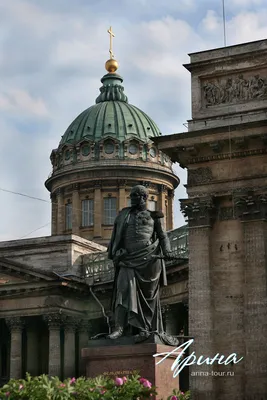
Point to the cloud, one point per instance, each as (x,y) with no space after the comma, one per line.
(245,3)
(212,22)
(18,102)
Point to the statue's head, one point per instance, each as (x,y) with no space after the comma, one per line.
(139,195)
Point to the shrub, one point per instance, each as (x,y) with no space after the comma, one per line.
(178,395)
(45,388)
(101,388)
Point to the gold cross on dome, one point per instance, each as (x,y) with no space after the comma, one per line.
(111,35)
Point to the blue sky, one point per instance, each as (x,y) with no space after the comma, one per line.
(52,55)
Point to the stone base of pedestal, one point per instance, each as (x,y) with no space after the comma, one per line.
(133,359)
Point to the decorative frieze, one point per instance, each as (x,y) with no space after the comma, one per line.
(199,211)
(199,176)
(234,90)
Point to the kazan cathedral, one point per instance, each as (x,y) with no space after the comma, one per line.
(55,291)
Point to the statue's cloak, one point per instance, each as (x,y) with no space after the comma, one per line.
(138,276)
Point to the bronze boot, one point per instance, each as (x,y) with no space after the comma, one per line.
(116,334)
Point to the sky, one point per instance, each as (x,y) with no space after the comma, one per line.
(52,56)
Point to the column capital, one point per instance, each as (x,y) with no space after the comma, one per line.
(75,186)
(145,183)
(59,192)
(53,196)
(199,211)
(97,184)
(162,188)
(14,323)
(54,321)
(70,324)
(249,205)
(121,183)
(83,325)
(171,193)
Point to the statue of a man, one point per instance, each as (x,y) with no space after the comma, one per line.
(137,239)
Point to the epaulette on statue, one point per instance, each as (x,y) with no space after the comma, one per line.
(156,214)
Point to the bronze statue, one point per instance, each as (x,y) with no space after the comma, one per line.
(137,243)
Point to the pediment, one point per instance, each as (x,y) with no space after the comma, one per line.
(13,272)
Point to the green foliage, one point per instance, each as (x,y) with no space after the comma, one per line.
(101,388)
(178,395)
(45,388)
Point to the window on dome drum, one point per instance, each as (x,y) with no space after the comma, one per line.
(87,213)
(68,216)
(129,202)
(85,150)
(110,210)
(153,152)
(152,205)
(109,147)
(133,149)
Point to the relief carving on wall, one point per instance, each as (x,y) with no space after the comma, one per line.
(235,90)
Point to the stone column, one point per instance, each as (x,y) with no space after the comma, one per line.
(76,210)
(69,347)
(15,324)
(54,362)
(83,333)
(98,211)
(54,207)
(252,209)
(200,217)
(60,212)
(122,193)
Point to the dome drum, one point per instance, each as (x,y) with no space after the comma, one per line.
(108,148)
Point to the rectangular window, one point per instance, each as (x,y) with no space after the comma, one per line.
(110,210)
(87,212)
(152,205)
(68,216)
(129,203)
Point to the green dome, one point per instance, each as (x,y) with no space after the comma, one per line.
(111,116)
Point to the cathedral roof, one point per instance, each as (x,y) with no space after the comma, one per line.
(111,116)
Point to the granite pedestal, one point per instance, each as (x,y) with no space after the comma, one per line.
(123,357)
